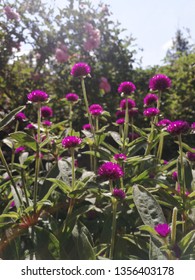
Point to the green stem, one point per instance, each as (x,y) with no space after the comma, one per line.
(173,227)
(70,115)
(150,139)
(126,124)
(73,168)
(13,148)
(10,175)
(86,103)
(37,160)
(114,210)
(160,146)
(24,186)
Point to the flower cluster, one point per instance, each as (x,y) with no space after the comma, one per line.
(126,88)
(110,170)
(93,37)
(72,97)
(46,112)
(37,96)
(178,127)
(150,99)
(95,109)
(80,69)
(118,193)
(71,142)
(159,82)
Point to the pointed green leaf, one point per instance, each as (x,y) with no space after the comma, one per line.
(10,117)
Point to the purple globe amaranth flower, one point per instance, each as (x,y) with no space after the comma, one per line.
(71,142)
(151,112)
(193,126)
(131,103)
(37,96)
(46,112)
(163,123)
(110,170)
(46,123)
(118,193)
(133,136)
(120,157)
(162,229)
(174,176)
(191,155)
(20,117)
(86,126)
(126,88)
(150,99)
(95,109)
(159,82)
(72,97)
(30,126)
(178,127)
(80,69)
(120,121)
(19,150)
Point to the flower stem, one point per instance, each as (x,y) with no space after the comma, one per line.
(150,139)
(114,210)
(70,115)
(10,175)
(73,167)
(126,125)
(86,103)
(160,146)
(173,228)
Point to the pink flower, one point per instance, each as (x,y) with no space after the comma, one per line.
(110,170)
(159,82)
(174,176)
(118,193)
(46,123)
(191,155)
(150,98)
(120,121)
(37,96)
(126,88)
(86,126)
(11,14)
(20,117)
(163,123)
(131,103)
(30,126)
(71,142)
(104,84)
(95,109)
(93,37)
(80,69)
(61,56)
(46,112)
(120,157)
(72,97)
(19,149)
(151,112)
(178,127)
(162,229)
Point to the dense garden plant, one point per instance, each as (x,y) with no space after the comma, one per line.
(103,191)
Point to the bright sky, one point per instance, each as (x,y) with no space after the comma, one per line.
(152,23)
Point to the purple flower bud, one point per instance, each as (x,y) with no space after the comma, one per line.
(151,112)
(163,123)
(191,155)
(46,123)
(71,97)
(110,170)
(71,142)
(86,126)
(175,176)
(120,121)
(37,96)
(120,157)
(126,88)
(150,98)
(80,69)
(118,193)
(46,112)
(162,229)
(19,150)
(178,127)
(20,117)
(159,82)
(131,103)
(95,109)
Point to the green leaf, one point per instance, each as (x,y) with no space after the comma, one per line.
(187,173)
(24,140)
(10,117)
(82,239)
(47,245)
(116,137)
(61,184)
(187,243)
(147,206)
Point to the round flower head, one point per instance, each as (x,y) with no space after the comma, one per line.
(174,176)
(30,126)
(86,126)
(118,193)
(71,97)
(120,121)
(19,150)
(110,170)
(37,96)
(20,117)
(80,69)
(151,112)
(162,229)
(95,109)
(150,98)
(126,88)
(71,142)
(159,82)
(46,123)
(46,112)
(163,123)
(191,155)
(178,127)
(131,103)
(120,157)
